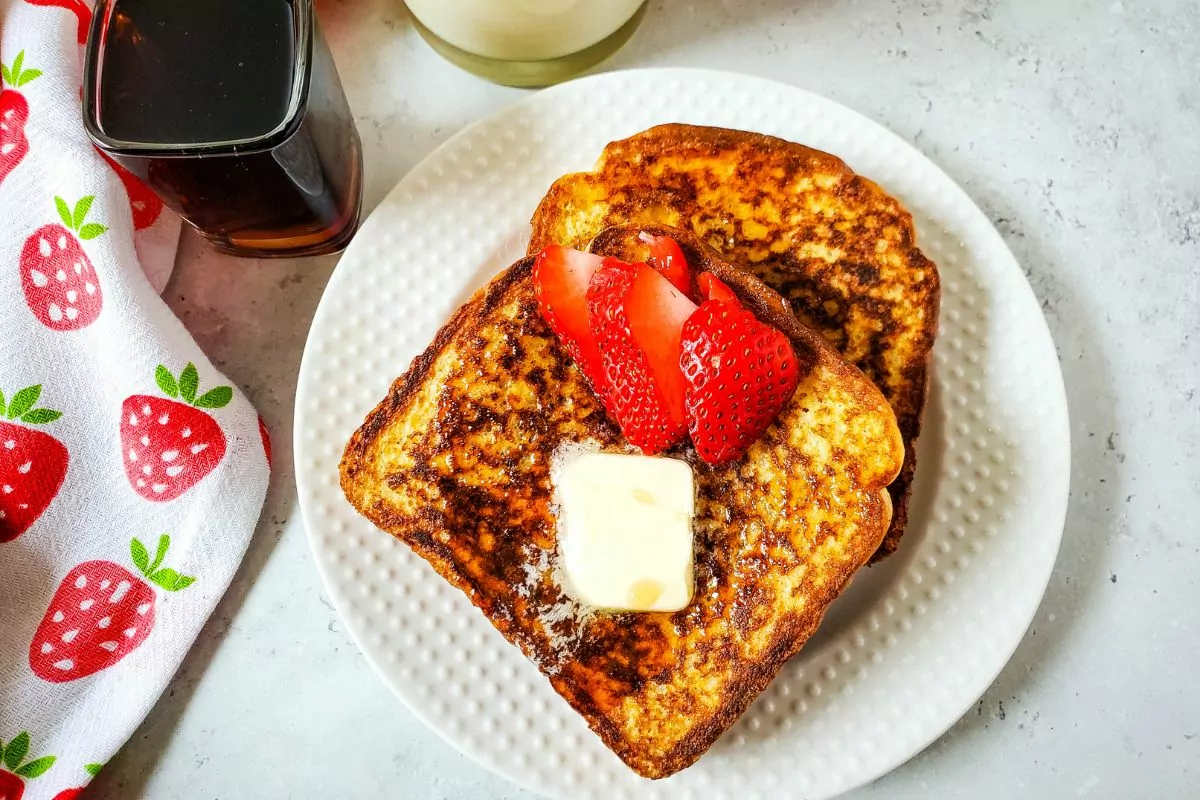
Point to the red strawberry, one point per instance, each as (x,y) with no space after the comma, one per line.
(637,317)
(60,283)
(100,614)
(740,373)
(144,204)
(14,112)
(560,283)
(713,288)
(666,257)
(167,445)
(11,786)
(83,14)
(12,756)
(266,440)
(73,794)
(32,464)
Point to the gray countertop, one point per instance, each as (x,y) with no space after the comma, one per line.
(1074,125)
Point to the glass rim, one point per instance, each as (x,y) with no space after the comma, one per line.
(303,29)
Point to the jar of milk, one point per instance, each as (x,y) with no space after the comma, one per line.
(526,42)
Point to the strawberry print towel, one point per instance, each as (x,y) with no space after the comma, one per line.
(131,472)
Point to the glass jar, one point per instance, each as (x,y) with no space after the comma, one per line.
(233,113)
(526,42)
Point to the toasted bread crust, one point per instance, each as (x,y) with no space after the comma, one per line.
(838,248)
(454,462)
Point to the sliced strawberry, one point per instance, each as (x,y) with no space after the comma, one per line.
(740,374)
(657,311)
(560,284)
(666,257)
(637,317)
(713,288)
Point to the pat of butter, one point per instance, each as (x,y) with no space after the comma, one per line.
(625,531)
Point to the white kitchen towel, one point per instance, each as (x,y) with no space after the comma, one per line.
(131,473)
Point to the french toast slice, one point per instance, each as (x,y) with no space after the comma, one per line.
(838,248)
(456,463)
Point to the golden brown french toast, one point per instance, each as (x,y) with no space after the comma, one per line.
(839,249)
(456,463)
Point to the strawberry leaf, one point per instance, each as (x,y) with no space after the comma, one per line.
(35,769)
(215,398)
(170,580)
(141,556)
(91,231)
(4,73)
(93,769)
(64,213)
(24,401)
(2,414)
(18,62)
(164,542)
(28,75)
(16,750)
(166,381)
(40,416)
(189,381)
(81,210)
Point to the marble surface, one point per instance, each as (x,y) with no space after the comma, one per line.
(1073,124)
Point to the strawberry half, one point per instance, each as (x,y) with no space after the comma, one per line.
(169,446)
(60,283)
(713,288)
(666,257)
(560,283)
(19,769)
(637,317)
(740,374)
(101,613)
(32,464)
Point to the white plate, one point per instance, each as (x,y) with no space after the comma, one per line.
(910,646)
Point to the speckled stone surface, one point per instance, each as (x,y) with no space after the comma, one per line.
(1074,125)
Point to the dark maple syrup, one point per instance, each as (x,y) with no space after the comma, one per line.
(232,111)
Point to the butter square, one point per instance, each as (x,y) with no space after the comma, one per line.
(625,531)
